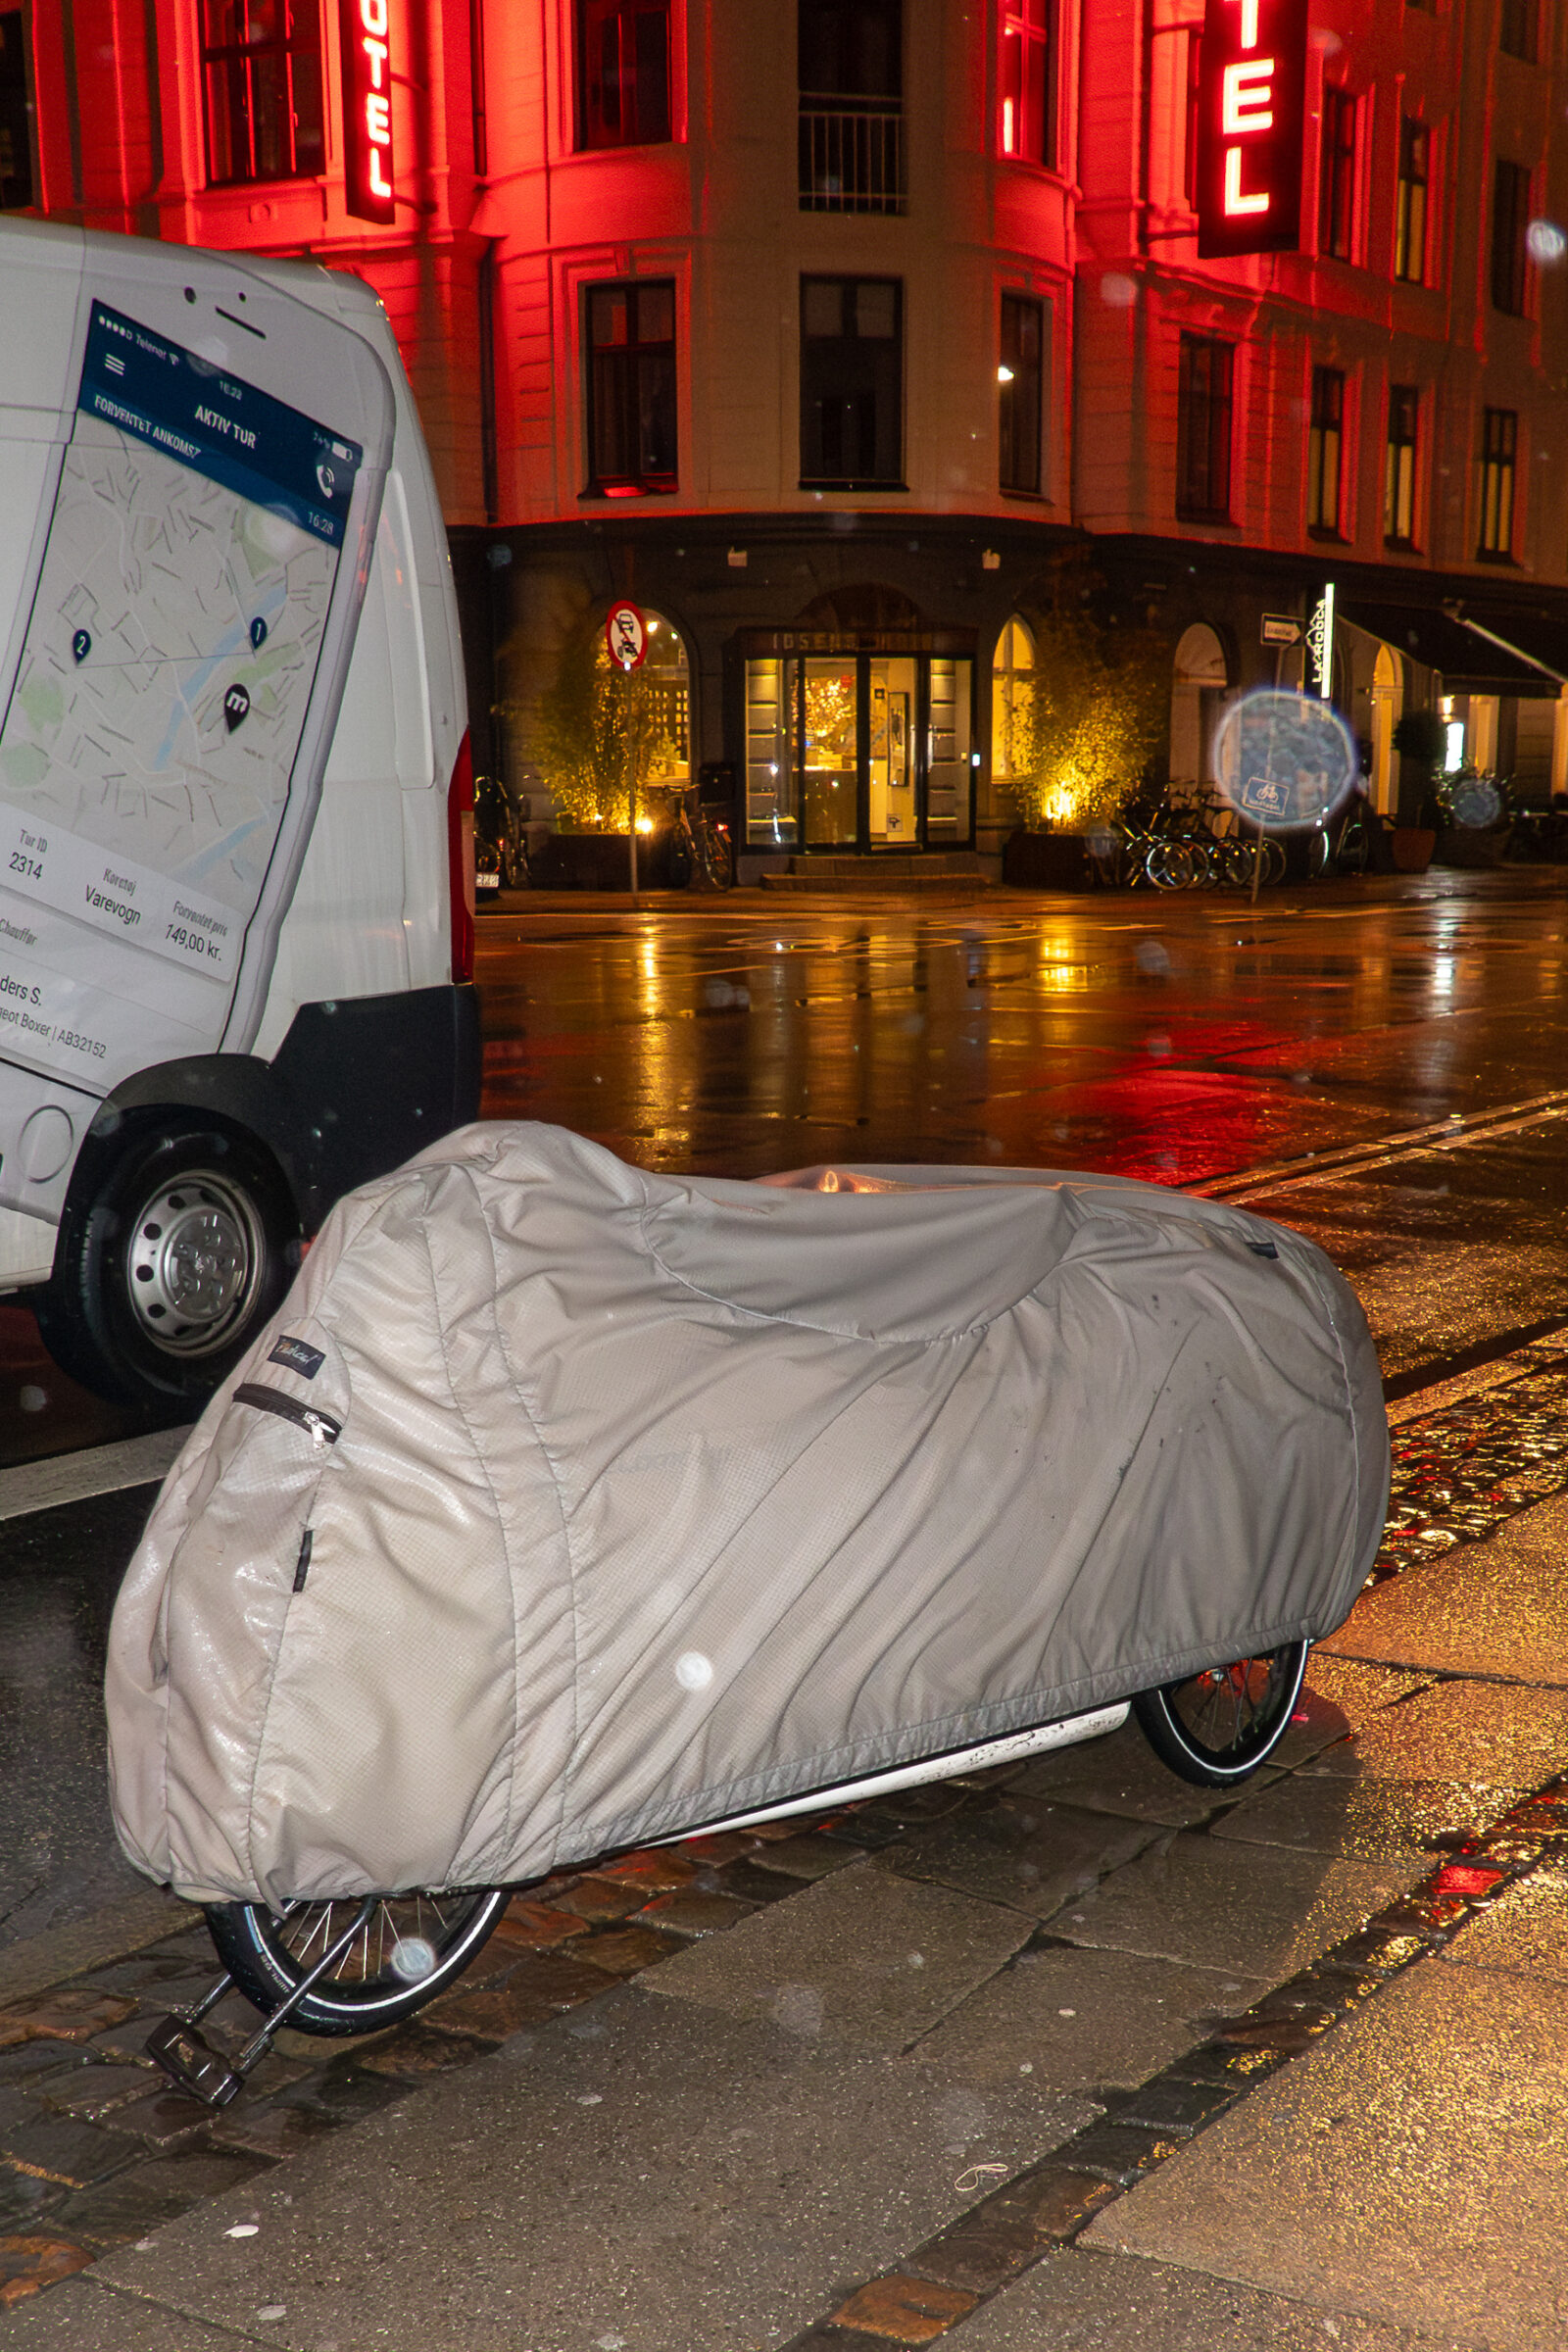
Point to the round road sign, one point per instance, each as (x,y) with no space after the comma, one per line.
(626,635)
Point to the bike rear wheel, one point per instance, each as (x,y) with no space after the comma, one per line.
(412,1946)
(1216,1727)
(713,848)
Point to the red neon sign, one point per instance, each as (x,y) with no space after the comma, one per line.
(368,180)
(1251,112)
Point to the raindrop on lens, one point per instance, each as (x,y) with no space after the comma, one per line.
(692,1671)
(1546,242)
(32,1398)
(413,1958)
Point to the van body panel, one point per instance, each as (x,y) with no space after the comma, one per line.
(342,1014)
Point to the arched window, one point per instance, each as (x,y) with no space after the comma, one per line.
(1198,684)
(666,677)
(1012,673)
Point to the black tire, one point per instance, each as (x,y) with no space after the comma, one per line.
(713,848)
(1215,1728)
(370,1987)
(179,1239)
(1354,849)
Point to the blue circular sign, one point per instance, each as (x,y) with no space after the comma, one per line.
(1284,760)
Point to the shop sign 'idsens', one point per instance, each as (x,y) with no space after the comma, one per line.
(1251,98)
(367,110)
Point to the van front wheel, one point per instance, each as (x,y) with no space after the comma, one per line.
(178,1241)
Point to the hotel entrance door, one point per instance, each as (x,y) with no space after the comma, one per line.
(859,752)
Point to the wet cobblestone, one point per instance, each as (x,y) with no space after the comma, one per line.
(1460,1472)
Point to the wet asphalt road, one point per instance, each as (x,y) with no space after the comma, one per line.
(1190,1040)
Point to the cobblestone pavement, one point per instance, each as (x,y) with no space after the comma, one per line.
(1162,1948)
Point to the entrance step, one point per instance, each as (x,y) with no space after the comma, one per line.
(930,870)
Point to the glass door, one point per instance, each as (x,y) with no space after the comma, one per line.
(893,811)
(828,753)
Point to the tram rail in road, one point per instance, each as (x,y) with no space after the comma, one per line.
(74,1477)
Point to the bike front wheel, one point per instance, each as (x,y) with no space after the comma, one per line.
(1217,1727)
(410,1948)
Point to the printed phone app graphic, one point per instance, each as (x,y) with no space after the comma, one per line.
(147,751)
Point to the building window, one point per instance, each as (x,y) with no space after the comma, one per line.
(1026,72)
(849,65)
(1204,394)
(623,72)
(1337,178)
(1510,217)
(1517,35)
(1398,467)
(631,388)
(16,114)
(262,85)
(1410,203)
(1012,687)
(1020,382)
(852,383)
(1324,450)
(1499,442)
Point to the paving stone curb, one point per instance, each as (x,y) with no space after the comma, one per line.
(1047,2204)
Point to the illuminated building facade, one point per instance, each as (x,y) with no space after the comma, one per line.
(829,332)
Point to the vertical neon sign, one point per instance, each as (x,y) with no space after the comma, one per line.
(1252,111)
(369,176)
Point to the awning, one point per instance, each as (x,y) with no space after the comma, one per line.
(1471,663)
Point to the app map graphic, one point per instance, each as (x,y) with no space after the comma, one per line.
(148,748)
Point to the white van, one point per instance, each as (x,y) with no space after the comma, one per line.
(236,905)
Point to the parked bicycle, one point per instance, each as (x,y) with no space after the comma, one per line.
(700,851)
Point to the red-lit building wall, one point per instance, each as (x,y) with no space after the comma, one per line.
(502,218)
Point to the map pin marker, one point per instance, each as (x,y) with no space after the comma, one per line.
(236,705)
(81,645)
(258,633)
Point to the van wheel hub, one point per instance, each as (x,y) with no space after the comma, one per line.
(193,1261)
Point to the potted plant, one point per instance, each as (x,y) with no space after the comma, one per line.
(1421,740)
(1079,739)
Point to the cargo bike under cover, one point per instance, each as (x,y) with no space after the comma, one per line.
(566,1507)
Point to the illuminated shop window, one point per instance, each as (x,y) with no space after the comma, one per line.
(1510,217)
(1012,685)
(1410,203)
(1324,448)
(1398,465)
(630,338)
(850,68)
(852,383)
(1020,382)
(623,72)
(16,114)
(1205,388)
(1499,443)
(262,90)
(1336,210)
(1516,34)
(1026,77)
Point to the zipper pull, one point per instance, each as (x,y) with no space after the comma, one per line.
(322,1429)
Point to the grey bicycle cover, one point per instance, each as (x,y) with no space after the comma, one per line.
(657,1498)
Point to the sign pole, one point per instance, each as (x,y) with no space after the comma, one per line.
(631,781)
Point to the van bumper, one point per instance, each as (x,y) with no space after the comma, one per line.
(358,1086)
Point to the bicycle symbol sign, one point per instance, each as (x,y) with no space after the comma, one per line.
(1263,798)
(626,635)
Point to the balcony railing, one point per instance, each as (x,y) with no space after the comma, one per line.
(852,160)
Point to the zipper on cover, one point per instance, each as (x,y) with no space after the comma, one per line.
(319,1426)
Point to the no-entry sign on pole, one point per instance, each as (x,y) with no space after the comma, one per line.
(626,635)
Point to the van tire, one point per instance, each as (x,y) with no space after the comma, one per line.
(178,1241)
